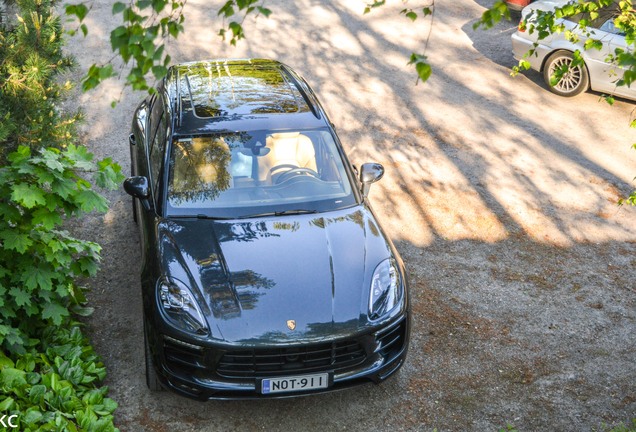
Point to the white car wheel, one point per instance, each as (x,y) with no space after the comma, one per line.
(573,82)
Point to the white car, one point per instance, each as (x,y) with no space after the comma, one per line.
(557,52)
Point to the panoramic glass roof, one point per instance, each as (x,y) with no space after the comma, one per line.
(221,89)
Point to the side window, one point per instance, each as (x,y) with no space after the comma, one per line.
(609,27)
(157,150)
(155,117)
(603,16)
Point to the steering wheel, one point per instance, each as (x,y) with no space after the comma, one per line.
(292,171)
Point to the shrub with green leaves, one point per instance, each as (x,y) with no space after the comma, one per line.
(39,262)
(52,386)
(49,373)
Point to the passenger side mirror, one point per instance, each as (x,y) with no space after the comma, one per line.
(369,174)
(137,187)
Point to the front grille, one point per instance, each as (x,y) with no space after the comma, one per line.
(256,363)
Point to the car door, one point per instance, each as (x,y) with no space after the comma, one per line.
(150,166)
(604,73)
(616,43)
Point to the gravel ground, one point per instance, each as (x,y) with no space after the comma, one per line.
(500,196)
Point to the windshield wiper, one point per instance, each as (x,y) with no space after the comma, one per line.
(280,213)
(200,216)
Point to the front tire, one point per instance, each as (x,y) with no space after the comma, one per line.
(134,209)
(574,81)
(152,380)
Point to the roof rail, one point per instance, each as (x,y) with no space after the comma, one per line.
(299,83)
(187,78)
(179,102)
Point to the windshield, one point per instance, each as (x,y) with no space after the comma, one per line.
(241,174)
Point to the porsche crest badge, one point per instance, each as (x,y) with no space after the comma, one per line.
(291,324)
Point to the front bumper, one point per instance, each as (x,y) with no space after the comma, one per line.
(216,372)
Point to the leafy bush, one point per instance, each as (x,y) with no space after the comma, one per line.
(49,373)
(39,263)
(52,386)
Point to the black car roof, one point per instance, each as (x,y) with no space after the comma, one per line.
(237,94)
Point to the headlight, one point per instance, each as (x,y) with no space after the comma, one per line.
(180,307)
(386,289)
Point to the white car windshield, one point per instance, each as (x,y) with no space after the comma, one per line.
(241,174)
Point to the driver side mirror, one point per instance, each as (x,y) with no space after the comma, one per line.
(138,187)
(369,174)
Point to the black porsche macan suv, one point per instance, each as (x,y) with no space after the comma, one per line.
(264,270)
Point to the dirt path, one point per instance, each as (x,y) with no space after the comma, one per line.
(500,196)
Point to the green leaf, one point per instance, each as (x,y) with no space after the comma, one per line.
(62,188)
(143,4)
(159,71)
(47,218)
(7,404)
(97,74)
(39,277)
(227,10)
(28,195)
(264,11)
(422,67)
(81,11)
(9,213)
(82,310)
(85,266)
(159,5)
(424,70)
(5,361)
(10,377)
(409,14)
(593,44)
(20,296)
(237,32)
(90,200)
(80,156)
(118,7)
(50,158)
(16,241)
(492,16)
(54,312)
(36,392)
(22,154)
(109,405)
(373,5)
(109,175)
(174,29)
(32,417)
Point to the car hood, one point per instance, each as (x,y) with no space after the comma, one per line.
(278,279)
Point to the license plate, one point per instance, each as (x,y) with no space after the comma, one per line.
(294,383)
